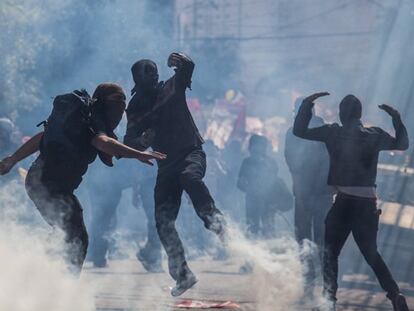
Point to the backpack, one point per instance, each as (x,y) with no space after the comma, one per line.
(69,119)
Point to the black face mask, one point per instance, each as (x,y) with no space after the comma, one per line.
(145,74)
(350,109)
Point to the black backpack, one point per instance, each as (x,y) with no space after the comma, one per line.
(66,125)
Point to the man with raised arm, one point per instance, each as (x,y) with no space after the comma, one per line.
(159,110)
(353,151)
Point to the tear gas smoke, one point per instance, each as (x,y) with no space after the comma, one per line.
(33,275)
(276,279)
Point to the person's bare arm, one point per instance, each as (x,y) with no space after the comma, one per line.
(113,147)
(27,149)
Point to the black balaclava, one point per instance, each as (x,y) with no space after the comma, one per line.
(145,75)
(110,100)
(110,103)
(350,109)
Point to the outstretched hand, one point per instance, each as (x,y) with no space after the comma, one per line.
(147,156)
(6,165)
(390,110)
(310,99)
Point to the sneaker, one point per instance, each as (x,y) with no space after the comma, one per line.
(399,303)
(183,285)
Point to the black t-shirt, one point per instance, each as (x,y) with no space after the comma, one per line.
(63,172)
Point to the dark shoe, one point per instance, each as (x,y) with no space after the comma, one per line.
(99,263)
(151,266)
(184,284)
(399,303)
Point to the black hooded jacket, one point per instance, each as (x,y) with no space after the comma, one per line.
(353,149)
(167,114)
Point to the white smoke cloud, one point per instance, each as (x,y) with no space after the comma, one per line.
(33,275)
(276,279)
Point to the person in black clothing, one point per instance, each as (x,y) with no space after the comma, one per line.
(150,254)
(232,199)
(313,197)
(56,173)
(263,188)
(162,109)
(105,189)
(353,151)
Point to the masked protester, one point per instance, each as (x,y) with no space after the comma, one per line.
(265,192)
(353,152)
(78,129)
(161,107)
(308,163)
(105,188)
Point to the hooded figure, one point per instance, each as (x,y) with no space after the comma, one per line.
(350,110)
(353,156)
(265,192)
(145,75)
(161,108)
(67,146)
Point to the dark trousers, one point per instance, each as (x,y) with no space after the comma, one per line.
(186,175)
(104,198)
(61,210)
(260,216)
(152,249)
(361,217)
(310,214)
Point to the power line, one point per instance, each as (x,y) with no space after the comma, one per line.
(284,37)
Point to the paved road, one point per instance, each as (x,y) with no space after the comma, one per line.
(124,285)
